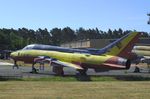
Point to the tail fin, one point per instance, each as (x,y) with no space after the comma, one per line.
(123,46)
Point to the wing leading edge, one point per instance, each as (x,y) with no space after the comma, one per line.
(66,64)
(46,59)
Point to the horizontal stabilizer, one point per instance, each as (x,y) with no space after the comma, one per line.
(146,48)
(141,52)
(146,57)
(114,66)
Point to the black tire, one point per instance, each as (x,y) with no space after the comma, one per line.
(83,72)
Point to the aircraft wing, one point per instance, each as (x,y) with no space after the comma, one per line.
(146,57)
(58,62)
(66,64)
(5,63)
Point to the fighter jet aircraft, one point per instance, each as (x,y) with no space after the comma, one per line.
(143,53)
(114,56)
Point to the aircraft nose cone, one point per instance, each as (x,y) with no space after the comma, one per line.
(13,54)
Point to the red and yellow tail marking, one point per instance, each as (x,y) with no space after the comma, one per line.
(123,47)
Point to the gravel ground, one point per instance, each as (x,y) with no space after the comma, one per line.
(6,70)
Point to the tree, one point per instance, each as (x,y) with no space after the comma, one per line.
(81,34)
(110,33)
(68,35)
(16,41)
(120,31)
(56,36)
(4,43)
(43,36)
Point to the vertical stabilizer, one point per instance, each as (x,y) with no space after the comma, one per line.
(123,46)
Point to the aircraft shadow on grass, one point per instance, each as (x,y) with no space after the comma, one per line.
(88,78)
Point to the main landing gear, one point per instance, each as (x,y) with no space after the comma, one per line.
(34,70)
(82,75)
(82,72)
(15,65)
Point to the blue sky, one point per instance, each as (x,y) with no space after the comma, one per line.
(104,14)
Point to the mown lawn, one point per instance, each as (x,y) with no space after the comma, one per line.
(74,90)
(70,87)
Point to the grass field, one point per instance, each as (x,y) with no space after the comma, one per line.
(74,90)
(70,87)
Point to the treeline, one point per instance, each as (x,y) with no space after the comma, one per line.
(12,39)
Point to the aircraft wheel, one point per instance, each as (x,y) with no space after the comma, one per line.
(62,73)
(15,65)
(137,70)
(34,70)
(83,72)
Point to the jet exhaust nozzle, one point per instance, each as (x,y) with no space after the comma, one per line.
(119,63)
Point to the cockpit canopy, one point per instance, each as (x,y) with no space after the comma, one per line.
(29,47)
